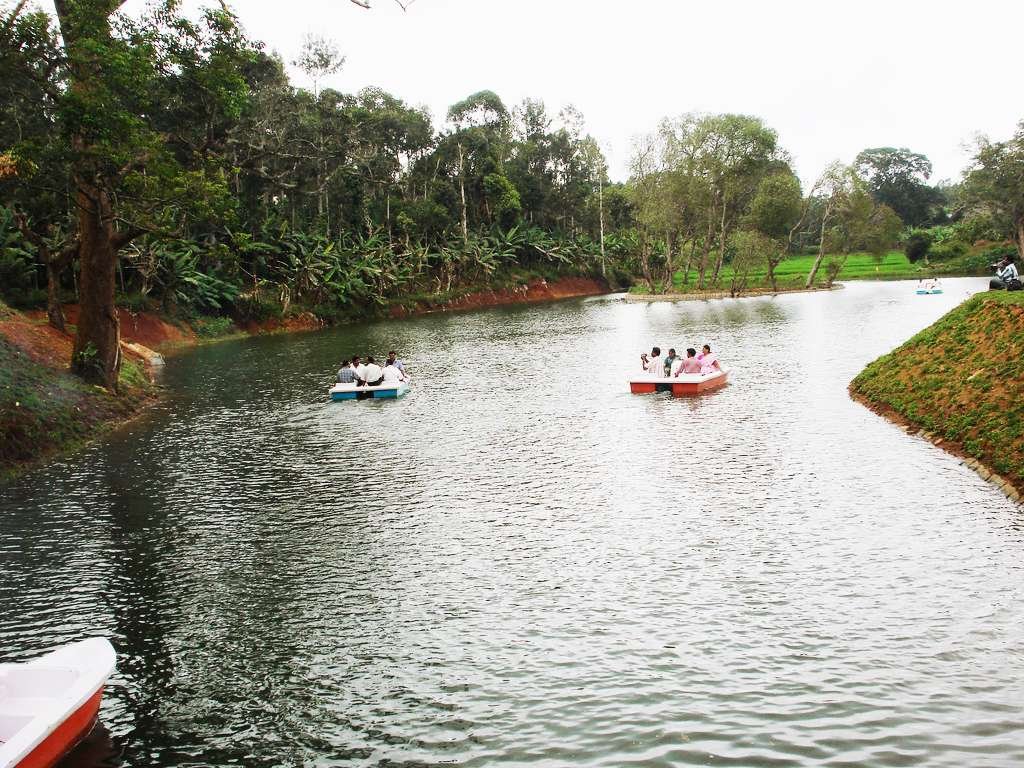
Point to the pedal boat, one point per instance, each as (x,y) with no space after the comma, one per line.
(49,704)
(380,392)
(928,291)
(683,385)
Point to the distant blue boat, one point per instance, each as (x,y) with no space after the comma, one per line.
(927,291)
(381,392)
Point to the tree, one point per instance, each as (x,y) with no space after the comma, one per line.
(776,212)
(126,175)
(917,245)
(831,190)
(896,177)
(994,184)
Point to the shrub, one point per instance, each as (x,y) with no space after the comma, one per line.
(917,245)
(212,327)
(948,250)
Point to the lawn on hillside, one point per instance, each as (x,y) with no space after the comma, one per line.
(793,272)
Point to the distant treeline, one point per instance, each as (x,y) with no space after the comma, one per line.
(170,160)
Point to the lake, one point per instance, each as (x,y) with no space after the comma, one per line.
(520,563)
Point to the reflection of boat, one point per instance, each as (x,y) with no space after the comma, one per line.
(683,384)
(382,391)
(927,291)
(49,704)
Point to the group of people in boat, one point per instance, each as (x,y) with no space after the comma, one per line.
(371,373)
(672,365)
(928,284)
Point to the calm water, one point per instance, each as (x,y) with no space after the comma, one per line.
(522,564)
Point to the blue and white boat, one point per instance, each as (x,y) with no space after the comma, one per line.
(380,392)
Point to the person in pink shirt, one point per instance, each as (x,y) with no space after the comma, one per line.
(690,363)
(708,362)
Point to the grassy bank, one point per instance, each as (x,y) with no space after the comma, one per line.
(792,273)
(961,381)
(43,409)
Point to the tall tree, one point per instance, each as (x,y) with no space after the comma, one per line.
(897,178)
(995,183)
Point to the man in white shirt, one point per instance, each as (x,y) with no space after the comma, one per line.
(373,375)
(656,365)
(392,375)
(360,370)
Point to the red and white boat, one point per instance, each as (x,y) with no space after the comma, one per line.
(49,704)
(681,385)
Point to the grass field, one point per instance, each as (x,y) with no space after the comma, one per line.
(793,272)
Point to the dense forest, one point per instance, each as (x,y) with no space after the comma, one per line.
(167,161)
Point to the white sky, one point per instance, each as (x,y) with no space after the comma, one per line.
(831,77)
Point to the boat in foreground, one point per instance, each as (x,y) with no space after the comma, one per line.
(49,704)
(681,385)
(382,391)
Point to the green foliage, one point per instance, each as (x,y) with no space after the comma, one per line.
(917,244)
(17,263)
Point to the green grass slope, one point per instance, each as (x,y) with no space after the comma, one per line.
(962,379)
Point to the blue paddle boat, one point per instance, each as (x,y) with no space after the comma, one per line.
(380,392)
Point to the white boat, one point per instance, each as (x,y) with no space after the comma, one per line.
(49,704)
(381,391)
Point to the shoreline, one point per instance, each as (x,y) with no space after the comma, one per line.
(1012,491)
(969,407)
(715,295)
(66,415)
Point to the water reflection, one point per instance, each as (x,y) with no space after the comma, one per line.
(522,563)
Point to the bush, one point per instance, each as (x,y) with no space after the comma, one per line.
(250,308)
(213,327)
(948,250)
(917,245)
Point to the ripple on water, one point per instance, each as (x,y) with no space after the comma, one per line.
(522,564)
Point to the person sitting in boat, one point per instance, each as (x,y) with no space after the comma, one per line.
(708,362)
(392,375)
(347,374)
(653,364)
(670,361)
(393,360)
(360,370)
(373,374)
(690,363)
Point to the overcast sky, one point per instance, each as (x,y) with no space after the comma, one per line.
(832,78)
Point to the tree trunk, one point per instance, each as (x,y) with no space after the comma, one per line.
(97,352)
(1020,236)
(462,196)
(600,216)
(721,245)
(821,250)
(54,311)
(689,261)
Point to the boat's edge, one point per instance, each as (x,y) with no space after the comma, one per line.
(49,736)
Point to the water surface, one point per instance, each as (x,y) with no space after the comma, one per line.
(520,563)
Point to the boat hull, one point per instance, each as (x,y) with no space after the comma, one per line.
(685,385)
(340,392)
(923,292)
(65,736)
(50,704)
